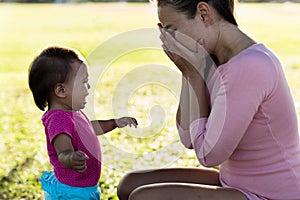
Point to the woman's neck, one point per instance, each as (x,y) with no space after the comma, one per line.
(231,42)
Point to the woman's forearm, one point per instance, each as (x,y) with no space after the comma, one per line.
(199,106)
(192,105)
(193,102)
(182,116)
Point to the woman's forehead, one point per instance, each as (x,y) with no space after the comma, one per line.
(168,15)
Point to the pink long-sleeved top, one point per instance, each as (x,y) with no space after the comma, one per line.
(252,130)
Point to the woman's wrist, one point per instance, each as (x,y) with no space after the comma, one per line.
(193,73)
(195,80)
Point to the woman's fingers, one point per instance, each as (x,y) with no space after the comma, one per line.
(172,45)
(187,54)
(168,53)
(189,60)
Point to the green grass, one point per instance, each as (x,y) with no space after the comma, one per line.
(276,25)
(28,28)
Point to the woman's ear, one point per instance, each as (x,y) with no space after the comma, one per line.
(60,90)
(204,12)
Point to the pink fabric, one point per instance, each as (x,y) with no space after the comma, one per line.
(84,139)
(252,129)
(185,137)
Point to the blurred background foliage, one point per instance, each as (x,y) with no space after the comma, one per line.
(82,1)
(28,28)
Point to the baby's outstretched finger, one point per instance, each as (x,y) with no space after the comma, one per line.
(134,122)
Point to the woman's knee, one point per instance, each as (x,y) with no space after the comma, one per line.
(157,191)
(142,192)
(122,189)
(135,194)
(126,185)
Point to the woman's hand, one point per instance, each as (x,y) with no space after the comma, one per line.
(187,54)
(124,121)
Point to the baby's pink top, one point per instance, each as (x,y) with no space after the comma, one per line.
(252,129)
(80,130)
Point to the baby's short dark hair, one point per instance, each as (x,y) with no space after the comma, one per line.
(52,66)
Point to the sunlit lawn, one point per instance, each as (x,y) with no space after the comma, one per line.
(126,85)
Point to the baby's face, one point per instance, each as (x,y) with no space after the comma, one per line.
(80,85)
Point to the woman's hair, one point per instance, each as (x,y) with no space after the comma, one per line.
(52,66)
(224,7)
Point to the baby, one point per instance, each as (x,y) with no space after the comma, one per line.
(58,79)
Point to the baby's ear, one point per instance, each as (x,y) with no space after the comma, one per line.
(60,90)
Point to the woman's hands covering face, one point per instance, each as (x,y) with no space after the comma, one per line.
(187,54)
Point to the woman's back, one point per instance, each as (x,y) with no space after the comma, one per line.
(266,160)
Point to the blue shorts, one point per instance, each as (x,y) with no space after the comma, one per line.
(55,190)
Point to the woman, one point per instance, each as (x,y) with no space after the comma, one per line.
(239,114)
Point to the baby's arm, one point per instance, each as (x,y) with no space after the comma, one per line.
(67,156)
(104,126)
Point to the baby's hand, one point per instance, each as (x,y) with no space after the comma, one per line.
(78,161)
(124,121)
